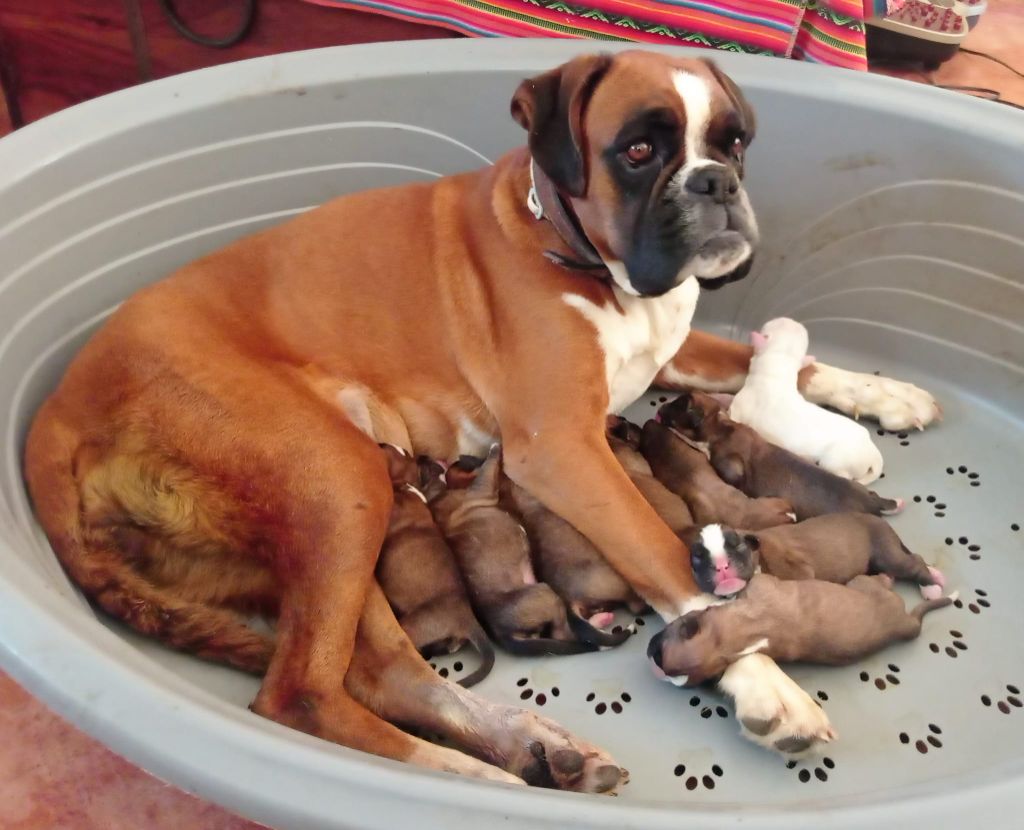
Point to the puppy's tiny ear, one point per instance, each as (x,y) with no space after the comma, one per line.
(731,470)
(752,541)
(550,108)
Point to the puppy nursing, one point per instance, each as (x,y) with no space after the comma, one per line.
(805,620)
(493,552)
(770,403)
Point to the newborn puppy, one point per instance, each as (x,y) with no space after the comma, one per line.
(837,548)
(689,474)
(568,562)
(493,552)
(624,440)
(720,558)
(418,574)
(770,403)
(807,620)
(750,463)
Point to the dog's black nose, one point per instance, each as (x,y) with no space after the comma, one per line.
(654,648)
(716,182)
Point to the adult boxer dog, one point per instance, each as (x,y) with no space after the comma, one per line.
(207,451)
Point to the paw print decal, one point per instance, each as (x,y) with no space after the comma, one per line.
(933,504)
(973,550)
(973,478)
(538,697)
(616,707)
(881,683)
(1012,699)
(706,711)
(693,781)
(804,771)
(922,744)
(957,644)
(975,604)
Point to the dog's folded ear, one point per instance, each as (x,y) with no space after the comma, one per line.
(550,108)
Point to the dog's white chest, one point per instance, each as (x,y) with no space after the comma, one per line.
(639,339)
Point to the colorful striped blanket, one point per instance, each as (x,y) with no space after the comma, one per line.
(821,31)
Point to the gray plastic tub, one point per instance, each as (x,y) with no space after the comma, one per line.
(892,218)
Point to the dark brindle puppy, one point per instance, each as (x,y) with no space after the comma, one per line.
(421,580)
(493,551)
(688,473)
(750,463)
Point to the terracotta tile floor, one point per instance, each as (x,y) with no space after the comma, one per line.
(53,777)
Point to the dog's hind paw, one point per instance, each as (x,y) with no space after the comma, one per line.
(896,405)
(772,710)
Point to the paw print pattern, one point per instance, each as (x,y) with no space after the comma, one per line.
(1015,527)
(453,672)
(882,683)
(706,711)
(661,399)
(934,504)
(973,478)
(922,744)
(973,550)
(975,605)
(953,650)
(821,771)
(903,436)
(615,707)
(693,781)
(528,693)
(1012,699)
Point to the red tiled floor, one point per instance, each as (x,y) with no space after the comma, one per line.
(54,777)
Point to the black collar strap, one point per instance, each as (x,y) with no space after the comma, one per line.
(545,202)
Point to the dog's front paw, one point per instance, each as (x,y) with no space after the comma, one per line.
(772,710)
(894,404)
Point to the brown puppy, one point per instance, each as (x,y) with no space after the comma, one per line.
(565,558)
(688,473)
(838,547)
(421,580)
(806,620)
(624,439)
(493,552)
(760,469)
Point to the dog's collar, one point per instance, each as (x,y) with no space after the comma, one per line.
(545,202)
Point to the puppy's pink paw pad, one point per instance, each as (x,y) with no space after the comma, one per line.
(931,591)
(937,575)
(602,619)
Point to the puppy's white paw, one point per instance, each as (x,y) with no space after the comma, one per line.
(894,404)
(772,710)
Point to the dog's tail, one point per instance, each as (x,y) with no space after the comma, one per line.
(478,639)
(923,608)
(587,633)
(93,561)
(541,646)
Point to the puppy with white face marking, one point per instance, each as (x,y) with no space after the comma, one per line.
(806,620)
(770,403)
(721,558)
(757,467)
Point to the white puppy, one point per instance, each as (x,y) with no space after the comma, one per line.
(770,403)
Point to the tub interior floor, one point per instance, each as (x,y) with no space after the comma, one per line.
(948,705)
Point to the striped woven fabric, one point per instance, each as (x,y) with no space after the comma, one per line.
(822,31)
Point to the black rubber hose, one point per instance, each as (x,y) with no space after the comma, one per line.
(248,16)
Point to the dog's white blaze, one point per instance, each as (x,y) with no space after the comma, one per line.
(638,340)
(753,648)
(714,540)
(696,95)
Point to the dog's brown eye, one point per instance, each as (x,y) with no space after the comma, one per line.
(640,152)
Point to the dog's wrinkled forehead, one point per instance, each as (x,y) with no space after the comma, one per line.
(692,97)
